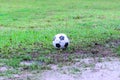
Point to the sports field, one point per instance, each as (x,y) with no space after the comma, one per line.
(27,27)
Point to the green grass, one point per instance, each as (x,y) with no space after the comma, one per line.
(28,26)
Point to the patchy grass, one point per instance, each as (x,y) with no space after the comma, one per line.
(9,73)
(27,29)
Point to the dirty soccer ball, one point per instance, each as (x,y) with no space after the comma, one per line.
(60,41)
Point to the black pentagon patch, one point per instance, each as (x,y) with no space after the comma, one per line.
(54,38)
(58,45)
(61,37)
(66,45)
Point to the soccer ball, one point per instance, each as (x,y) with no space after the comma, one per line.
(60,41)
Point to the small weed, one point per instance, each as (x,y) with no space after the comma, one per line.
(89,65)
(118,51)
(99,59)
(45,59)
(74,70)
(38,67)
(60,65)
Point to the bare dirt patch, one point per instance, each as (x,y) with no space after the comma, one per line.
(84,69)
